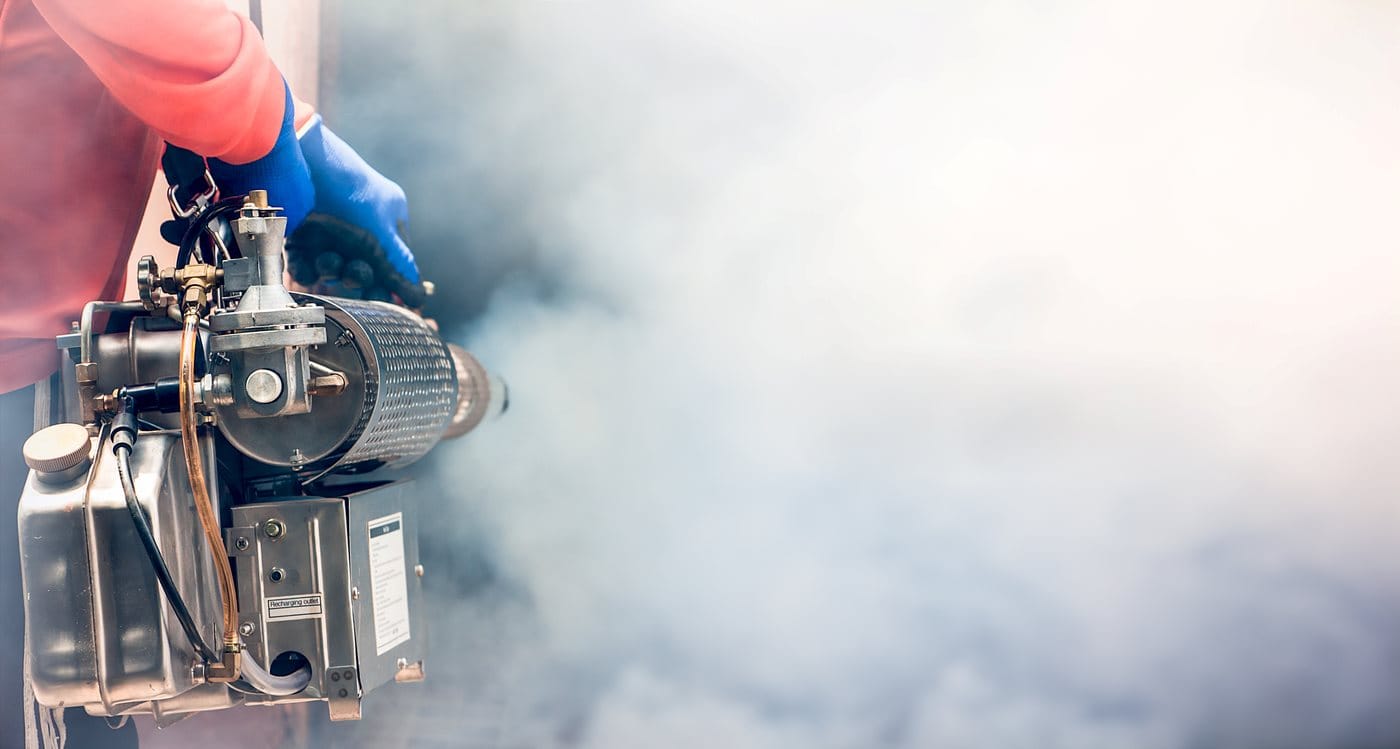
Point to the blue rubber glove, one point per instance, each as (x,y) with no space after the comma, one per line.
(350,190)
(282,172)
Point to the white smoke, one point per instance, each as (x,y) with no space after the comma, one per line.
(912,374)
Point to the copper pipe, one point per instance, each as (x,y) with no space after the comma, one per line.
(203,504)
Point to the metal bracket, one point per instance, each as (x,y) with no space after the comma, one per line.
(343,692)
(409,672)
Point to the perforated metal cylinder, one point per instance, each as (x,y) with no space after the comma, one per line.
(411,384)
(401,394)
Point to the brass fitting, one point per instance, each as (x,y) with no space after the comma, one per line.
(105,402)
(228,669)
(191,283)
(195,296)
(329,384)
(87,390)
(174,279)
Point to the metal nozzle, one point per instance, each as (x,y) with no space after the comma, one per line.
(480,394)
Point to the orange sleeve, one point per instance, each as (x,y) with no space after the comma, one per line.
(193,70)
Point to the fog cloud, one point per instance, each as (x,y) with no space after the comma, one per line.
(908,374)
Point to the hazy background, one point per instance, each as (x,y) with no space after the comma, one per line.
(903,374)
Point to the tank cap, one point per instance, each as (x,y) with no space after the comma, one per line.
(57,448)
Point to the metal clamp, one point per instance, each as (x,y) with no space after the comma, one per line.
(198,202)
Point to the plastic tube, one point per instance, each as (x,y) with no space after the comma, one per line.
(255,676)
(208,521)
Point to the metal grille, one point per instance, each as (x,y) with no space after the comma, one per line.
(412,386)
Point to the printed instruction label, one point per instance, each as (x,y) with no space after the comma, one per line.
(283,608)
(388,582)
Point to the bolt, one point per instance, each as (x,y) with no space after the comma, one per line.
(263,386)
(273,528)
(242,543)
(247,628)
(344,339)
(418,570)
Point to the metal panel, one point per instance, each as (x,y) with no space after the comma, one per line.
(403,661)
(294,592)
(306,585)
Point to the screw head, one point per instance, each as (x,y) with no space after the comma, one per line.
(247,628)
(273,528)
(242,543)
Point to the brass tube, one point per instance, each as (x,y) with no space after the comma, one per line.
(203,504)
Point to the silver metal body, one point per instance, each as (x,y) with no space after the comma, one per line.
(295,388)
(102,636)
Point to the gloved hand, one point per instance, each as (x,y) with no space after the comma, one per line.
(349,191)
(282,172)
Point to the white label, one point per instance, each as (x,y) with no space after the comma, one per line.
(388,582)
(283,608)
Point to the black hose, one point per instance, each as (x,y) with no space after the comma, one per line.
(255,679)
(190,241)
(167,583)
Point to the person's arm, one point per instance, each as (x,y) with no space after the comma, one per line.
(193,70)
(199,75)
